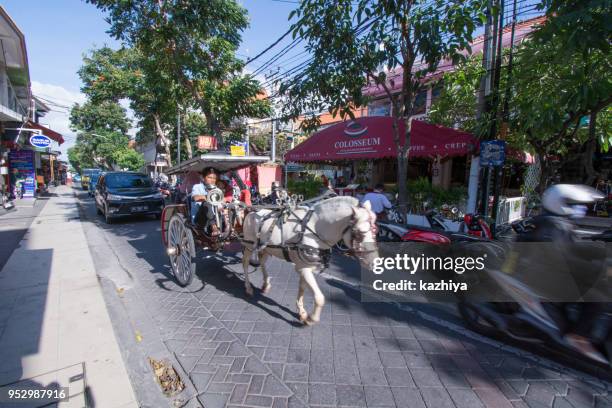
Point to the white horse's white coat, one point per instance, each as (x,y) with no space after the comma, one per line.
(329,220)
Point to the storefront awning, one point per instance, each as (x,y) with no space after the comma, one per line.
(46,131)
(372,138)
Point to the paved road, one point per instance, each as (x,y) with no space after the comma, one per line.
(235,351)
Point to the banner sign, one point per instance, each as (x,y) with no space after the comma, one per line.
(207,143)
(492,153)
(21,164)
(238,149)
(40,141)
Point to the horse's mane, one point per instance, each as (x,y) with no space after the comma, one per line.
(332,204)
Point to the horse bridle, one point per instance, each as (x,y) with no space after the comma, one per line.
(357,245)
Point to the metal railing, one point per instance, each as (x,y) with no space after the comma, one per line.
(511,209)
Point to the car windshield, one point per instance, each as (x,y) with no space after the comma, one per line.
(127,180)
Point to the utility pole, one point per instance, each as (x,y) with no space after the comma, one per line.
(248,139)
(178,134)
(273,148)
(484,93)
(496,98)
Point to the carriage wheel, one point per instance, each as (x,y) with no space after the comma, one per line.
(181,250)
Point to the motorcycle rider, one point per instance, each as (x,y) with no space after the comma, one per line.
(561,204)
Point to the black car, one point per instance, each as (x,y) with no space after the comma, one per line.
(121,193)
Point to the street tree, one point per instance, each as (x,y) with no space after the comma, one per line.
(101,133)
(112,75)
(391,44)
(106,115)
(552,98)
(193,43)
(127,158)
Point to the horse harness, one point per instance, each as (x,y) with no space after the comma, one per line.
(306,253)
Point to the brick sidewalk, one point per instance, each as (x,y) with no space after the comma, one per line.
(254,353)
(241,352)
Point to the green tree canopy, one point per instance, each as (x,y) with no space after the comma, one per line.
(391,44)
(191,44)
(91,117)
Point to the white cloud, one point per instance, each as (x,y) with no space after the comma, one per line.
(60,100)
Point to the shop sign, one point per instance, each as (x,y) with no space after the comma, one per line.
(492,153)
(354,142)
(207,143)
(40,141)
(238,149)
(21,164)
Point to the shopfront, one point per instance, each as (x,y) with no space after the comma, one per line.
(28,157)
(364,151)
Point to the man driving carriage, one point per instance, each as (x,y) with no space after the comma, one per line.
(202,211)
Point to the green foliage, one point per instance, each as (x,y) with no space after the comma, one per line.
(102,128)
(580,25)
(421,190)
(381,44)
(79,159)
(187,56)
(457,104)
(550,97)
(352,40)
(105,116)
(309,187)
(128,159)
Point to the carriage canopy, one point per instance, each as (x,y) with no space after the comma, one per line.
(220,161)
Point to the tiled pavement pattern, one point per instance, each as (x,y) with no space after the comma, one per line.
(253,353)
(241,352)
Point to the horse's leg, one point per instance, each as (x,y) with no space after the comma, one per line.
(319,299)
(246,255)
(265,288)
(300,298)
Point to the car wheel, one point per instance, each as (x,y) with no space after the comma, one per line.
(107,217)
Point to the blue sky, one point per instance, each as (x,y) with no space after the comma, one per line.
(58,32)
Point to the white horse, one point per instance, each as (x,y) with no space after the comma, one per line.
(305,237)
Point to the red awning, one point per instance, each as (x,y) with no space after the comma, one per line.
(46,131)
(372,138)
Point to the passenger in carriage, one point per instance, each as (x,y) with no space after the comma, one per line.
(228,193)
(203,212)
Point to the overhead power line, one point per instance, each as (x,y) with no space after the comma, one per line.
(281,38)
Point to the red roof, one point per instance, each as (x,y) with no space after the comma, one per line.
(47,132)
(372,137)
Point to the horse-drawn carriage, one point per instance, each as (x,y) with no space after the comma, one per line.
(181,234)
(300,234)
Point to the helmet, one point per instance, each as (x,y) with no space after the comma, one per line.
(562,199)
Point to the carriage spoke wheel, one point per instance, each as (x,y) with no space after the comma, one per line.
(181,250)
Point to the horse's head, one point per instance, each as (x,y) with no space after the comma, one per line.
(360,237)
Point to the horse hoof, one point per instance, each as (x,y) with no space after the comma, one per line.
(308,321)
(304,317)
(249,292)
(265,289)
